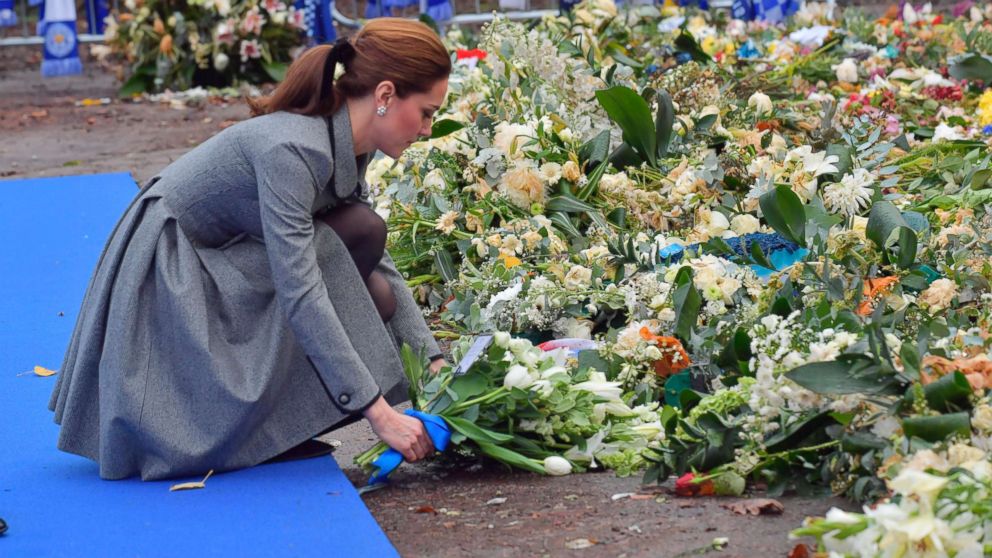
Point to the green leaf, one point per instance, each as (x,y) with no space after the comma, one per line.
(444,127)
(510,457)
(469,385)
(597,149)
(950,392)
(687,43)
(275,70)
(793,436)
(664,122)
(853,374)
(569,204)
(937,428)
(784,212)
(476,433)
(737,352)
(971,66)
(445,265)
(565,224)
(631,112)
(687,303)
(888,229)
(140,81)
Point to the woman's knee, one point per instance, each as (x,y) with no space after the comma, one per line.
(382,295)
(358,226)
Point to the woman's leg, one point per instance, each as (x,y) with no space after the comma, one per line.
(364,234)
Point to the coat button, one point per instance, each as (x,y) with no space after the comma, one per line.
(344,399)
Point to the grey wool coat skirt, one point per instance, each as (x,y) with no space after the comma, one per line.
(224,324)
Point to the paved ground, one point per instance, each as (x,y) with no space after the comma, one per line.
(430,510)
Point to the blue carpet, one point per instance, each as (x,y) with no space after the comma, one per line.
(51,232)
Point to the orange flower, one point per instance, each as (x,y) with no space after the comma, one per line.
(872,289)
(673,359)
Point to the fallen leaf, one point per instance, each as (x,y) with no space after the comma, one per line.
(426,509)
(448,524)
(799,551)
(579,544)
(642,496)
(39,113)
(192,485)
(495,501)
(756,506)
(43,372)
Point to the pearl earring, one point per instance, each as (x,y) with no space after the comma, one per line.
(381,111)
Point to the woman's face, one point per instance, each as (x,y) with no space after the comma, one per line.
(409,119)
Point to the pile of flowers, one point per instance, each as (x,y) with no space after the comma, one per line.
(203,42)
(777,237)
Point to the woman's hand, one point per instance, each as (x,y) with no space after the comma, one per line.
(437,365)
(403,433)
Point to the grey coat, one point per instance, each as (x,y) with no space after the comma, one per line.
(224,324)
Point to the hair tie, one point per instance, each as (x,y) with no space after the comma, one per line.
(343,50)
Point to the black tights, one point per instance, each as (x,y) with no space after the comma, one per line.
(364,234)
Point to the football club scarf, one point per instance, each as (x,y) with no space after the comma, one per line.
(96,12)
(318,16)
(60,40)
(772,11)
(438,10)
(7,15)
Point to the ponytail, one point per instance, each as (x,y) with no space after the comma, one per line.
(405,52)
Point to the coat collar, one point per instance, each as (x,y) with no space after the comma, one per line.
(349,171)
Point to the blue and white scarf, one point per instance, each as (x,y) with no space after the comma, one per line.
(7,15)
(61,42)
(772,11)
(439,10)
(96,12)
(318,16)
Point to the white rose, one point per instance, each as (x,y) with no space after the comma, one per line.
(745,224)
(557,466)
(519,346)
(578,277)
(846,71)
(981,418)
(761,103)
(434,180)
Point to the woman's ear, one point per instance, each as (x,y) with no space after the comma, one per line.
(384,92)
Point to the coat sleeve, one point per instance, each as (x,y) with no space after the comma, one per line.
(408,322)
(287,187)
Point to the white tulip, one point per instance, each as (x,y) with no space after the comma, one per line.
(650,430)
(517,377)
(557,466)
(761,103)
(502,339)
(911,481)
(547,374)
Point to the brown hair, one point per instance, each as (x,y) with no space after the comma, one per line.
(405,52)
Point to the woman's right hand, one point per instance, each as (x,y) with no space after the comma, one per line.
(403,433)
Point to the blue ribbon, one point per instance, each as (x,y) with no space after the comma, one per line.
(390,459)
(781,253)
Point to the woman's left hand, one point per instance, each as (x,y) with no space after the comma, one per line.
(437,365)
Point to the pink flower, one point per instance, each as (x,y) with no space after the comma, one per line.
(249,49)
(253,21)
(273,6)
(225,32)
(296,19)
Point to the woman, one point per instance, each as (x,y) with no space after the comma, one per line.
(244,303)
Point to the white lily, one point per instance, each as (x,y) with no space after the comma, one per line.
(598,385)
